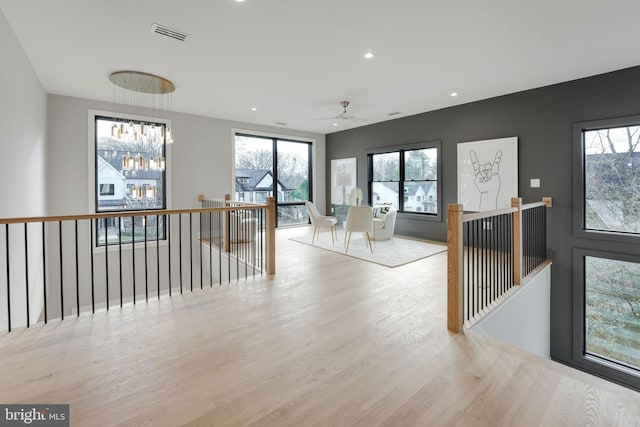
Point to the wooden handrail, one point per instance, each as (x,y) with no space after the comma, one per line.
(227,201)
(270,232)
(270,235)
(455,291)
(533,205)
(455,241)
(516,235)
(486,214)
(126,214)
(226,224)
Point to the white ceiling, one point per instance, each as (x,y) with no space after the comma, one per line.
(297,59)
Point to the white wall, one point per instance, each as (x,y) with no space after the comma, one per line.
(201,156)
(23,168)
(200,163)
(523,320)
(43,171)
(23,124)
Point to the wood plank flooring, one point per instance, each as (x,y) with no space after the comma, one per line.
(328,341)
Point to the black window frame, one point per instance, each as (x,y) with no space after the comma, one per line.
(602,366)
(162,230)
(579,198)
(401,150)
(615,245)
(110,192)
(274,139)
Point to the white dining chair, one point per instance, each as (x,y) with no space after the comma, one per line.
(359,219)
(321,221)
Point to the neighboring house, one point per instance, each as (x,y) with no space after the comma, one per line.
(111,190)
(110,164)
(420,196)
(256,185)
(417,196)
(385,192)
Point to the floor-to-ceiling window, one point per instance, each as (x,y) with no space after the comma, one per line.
(607,269)
(278,167)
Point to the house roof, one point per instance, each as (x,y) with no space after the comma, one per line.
(411,186)
(254,177)
(102,161)
(114,159)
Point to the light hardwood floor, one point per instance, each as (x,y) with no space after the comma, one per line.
(329,340)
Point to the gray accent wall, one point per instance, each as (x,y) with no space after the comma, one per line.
(542,120)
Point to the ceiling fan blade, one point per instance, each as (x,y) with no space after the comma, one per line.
(328,118)
(357,119)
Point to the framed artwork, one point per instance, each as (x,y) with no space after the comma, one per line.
(343,180)
(487,173)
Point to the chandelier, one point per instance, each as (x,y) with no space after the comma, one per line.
(155,92)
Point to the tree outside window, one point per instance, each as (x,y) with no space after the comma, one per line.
(612,179)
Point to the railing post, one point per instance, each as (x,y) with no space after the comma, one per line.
(516,202)
(226,231)
(455,247)
(548,201)
(271,236)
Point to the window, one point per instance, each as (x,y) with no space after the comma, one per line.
(612,310)
(606,262)
(129,176)
(107,189)
(611,179)
(261,161)
(415,170)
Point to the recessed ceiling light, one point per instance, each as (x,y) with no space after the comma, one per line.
(254,109)
(335,124)
(239,1)
(368,55)
(454,93)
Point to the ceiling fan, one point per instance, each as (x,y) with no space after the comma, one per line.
(345,115)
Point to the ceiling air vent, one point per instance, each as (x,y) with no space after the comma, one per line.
(282,123)
(395,113)
(169,32)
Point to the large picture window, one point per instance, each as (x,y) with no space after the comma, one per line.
(130,175)
(268,166)
(612,179)
(606,262)
(406,179)
(612,310)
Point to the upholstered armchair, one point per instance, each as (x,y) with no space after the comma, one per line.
(384,222)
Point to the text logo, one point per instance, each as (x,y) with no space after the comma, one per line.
(34,415)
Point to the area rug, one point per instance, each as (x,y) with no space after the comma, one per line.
(394,252)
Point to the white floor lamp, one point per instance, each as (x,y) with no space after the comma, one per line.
(342,180)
